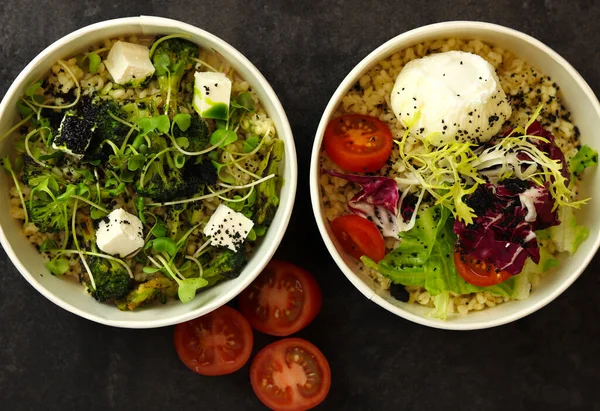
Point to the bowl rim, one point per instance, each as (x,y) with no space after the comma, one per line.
(285,133)
(385,49)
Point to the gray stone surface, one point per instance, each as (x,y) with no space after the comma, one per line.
(50,359)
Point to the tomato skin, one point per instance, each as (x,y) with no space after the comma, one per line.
(282,300)
(359,237)
(358,143)
(277,366)
(202,343)
(477,272)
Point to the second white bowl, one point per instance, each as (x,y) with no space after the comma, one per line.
(579,100)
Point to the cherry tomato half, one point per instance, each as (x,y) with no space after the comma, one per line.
(359,237)
(290,374)
(282,300)
(358,143)
(215,344)
(478,272)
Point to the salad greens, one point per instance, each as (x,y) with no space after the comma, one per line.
(453,171)
(499,203)
(424,258)
(154,156)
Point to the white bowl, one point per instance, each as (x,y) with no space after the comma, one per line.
(577,97)
(71,295)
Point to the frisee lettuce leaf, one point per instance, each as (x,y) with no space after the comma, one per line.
(451,171)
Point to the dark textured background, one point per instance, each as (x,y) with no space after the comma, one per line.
(51,359)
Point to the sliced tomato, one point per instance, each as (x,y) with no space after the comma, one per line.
(282,300)
(217,343)
(358,143)
(359,237)
(290,374)
(478,272)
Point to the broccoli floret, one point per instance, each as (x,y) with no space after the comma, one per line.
(86,224)
(33,173)
(105,127)
(74,134)
(225,265)
(48,217)
(197,175)
(111,278)
(267,199)
(197,134)
(173,219)
(162,181)
(172,58)
(157,288)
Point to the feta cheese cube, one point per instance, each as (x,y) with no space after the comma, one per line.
(129,63)
(212,92)
(120,233)
(74,135)
(228,228)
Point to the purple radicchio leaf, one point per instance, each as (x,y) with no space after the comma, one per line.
(503,233)
(378,200)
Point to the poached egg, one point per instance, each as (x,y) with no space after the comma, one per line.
(450,97)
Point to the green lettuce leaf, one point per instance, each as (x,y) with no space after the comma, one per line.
(585,157)
(568,235)
(425,258)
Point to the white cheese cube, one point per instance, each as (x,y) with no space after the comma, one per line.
(120,233)
(129,63)
(212,92)
(74,135)
(228,228)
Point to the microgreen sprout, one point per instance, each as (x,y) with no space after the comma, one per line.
(6,164)
(76,242)
(187,288)
(214,194)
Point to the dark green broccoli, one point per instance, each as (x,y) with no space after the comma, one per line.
(111,278)
(163,181)
(88,240)
(48,216)
(197,175)
(197,134)
(33,173)
(225,265)
(157,288)
(173,219)
(172,58)
(105,127)
(267,199)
